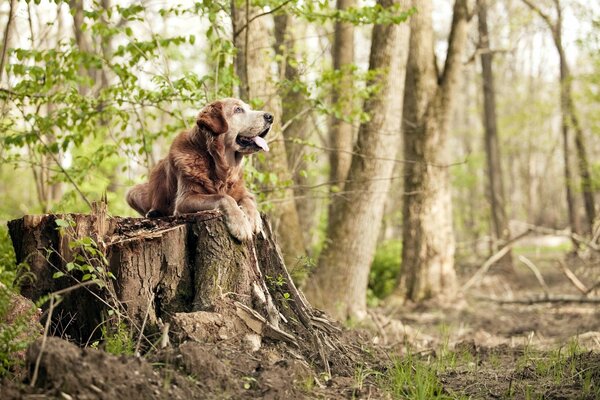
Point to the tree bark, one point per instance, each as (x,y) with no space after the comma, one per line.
(342,132)
(6,36)
(339,285)
(187,271)
(570,120)
(428,237)
(296,113)
(253,65)
(501,231)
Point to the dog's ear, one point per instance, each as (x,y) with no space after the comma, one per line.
(213,118)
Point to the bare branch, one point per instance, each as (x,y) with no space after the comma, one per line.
(536,272)
(573,278)
(542,14)
(237,32)
(495,257)
(544,299)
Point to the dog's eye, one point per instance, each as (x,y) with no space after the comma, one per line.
(238,110)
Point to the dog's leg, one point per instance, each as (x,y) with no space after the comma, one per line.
(248,206)
(138,198)
(235,219)
(161,192)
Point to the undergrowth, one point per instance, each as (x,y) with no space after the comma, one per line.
(384,271)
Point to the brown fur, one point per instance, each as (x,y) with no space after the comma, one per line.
(203,169)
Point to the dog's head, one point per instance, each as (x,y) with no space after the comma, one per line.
(243,129)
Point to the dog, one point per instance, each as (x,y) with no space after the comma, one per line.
(203,169)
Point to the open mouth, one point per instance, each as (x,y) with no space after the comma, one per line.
(253,142)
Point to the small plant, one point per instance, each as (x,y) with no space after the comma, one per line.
(7,259)
(249,382)
(412,378)
(88,258)
(16,333)
(118,340)
(384,270)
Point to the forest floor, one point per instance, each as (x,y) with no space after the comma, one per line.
(482,348)
(476,347)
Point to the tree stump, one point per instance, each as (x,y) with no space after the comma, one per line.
(184,275)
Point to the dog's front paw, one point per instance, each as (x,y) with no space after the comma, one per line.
(254,218)
(239,227)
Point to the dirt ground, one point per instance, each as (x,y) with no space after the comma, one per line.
(485,349)
(476,347)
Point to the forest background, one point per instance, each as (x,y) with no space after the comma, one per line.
(413,139)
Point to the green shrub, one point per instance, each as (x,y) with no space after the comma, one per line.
(8,266)
(384,270)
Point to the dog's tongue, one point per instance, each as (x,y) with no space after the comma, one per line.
(262,143)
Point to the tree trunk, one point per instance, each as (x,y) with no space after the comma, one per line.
(428,237)
(186,271)
(501,232)
(296,112)
(340,156)
(253,67)
(570,120)
(339,285)
(6,37)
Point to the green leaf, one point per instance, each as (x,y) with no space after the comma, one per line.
(58,274)
(62,223)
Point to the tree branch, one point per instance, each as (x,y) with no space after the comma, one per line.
(236,33)
(542,14)
(456,44)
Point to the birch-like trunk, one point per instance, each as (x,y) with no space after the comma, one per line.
(339,284)
(428,238)
(253,40)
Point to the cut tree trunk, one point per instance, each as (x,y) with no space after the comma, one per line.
(187,273)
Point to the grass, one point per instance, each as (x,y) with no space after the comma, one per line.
(413,378)
(450,374)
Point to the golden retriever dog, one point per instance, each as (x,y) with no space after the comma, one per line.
(203,170)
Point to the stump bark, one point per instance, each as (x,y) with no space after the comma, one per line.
(185,276)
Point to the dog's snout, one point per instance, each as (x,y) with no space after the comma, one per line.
(268,117)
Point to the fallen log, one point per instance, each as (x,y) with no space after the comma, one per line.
(185,276)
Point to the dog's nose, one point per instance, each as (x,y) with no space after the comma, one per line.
(268,117)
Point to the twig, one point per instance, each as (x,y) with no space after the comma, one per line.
(539,12)
(139,341)
(574,236)
(544,299)
(63,170)
(593,287)
(236,33)
(43,345)
(495,257)
(573,278)
(536,272)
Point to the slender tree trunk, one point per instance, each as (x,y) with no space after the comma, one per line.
(428,237)
(253,41)
(342,131)
(6,37)
(501,232)
(570,120)
(339,284)
(296,112)
(76,8)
